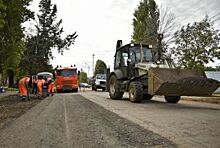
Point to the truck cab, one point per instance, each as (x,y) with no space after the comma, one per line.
(99,82)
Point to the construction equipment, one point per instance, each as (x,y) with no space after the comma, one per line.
(140,72)
(67,79)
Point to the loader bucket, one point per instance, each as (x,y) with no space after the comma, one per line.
(180,82)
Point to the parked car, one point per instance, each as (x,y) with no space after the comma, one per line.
(45,75)
(85,85)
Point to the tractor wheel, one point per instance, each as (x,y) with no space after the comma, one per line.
(172,99)
(135,91)
(114,88)
(147,96)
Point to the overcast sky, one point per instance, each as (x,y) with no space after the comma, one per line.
(100,23)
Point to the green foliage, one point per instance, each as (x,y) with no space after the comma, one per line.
(11,43)
(2,14)
(146,23)
(50,31)
(149,21)
(100,67)
(83,77)
(196,45)
(33,56)
(39,47)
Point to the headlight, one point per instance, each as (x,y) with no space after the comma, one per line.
(97,82)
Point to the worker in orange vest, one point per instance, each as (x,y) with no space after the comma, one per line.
(23,87)
(40,84)
(50,89)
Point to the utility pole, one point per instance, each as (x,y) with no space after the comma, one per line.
(93,59)
(88,69)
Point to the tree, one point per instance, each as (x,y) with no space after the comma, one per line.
(196,45)
(146,22)
(11,43)
(83,77)
(167,26)
(150,21)
(33,57)
(2,14)
(47,38)
(100,67)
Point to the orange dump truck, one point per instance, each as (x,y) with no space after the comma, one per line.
(66,79)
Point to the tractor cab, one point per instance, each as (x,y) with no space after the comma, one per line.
(129,57)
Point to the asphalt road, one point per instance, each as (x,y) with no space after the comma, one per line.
(188,124)
(70,120)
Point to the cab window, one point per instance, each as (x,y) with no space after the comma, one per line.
(68,72)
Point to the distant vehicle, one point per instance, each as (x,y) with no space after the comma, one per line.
(99,82)
(67,79)
(44,75)
(85,85)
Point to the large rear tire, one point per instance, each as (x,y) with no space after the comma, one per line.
(135,92)
(114,88)
(172,99)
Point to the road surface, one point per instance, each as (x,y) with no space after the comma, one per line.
(91,119)
(71,121)
(188,124)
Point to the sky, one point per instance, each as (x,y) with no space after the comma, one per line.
(100,23)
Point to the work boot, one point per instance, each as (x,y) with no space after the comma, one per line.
(39,96)
(23,98)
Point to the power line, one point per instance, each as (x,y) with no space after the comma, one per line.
(215,15)
(216,19)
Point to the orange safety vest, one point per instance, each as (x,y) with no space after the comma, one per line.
(40,84)
(23,85)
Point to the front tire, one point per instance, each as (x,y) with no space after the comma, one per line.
(114,88)
(135,91)
(172,99)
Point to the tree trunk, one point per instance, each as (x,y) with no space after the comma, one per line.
(11,78)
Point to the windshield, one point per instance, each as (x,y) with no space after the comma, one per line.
(67,72)
(135,54)
(44,75)
(101,76)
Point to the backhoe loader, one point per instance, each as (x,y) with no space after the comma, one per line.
(139,72)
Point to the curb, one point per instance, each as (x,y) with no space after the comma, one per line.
(212,99)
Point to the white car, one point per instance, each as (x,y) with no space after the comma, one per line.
(99,82)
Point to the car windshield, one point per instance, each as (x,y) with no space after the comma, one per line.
(135,54)
(44,75)
(67,72)
(101,76)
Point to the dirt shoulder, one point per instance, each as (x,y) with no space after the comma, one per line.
(11,107)
(209,99)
